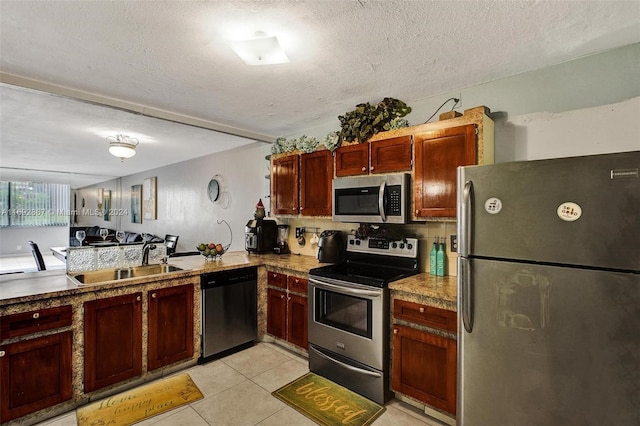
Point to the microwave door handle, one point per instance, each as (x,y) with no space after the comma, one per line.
(383,216)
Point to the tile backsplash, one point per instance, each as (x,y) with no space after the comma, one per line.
(425,232)
(81,259)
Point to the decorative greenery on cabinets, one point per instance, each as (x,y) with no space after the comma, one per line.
(367,120)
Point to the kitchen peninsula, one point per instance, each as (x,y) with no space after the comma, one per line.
(49,309)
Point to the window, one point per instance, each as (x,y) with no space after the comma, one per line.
(29,204)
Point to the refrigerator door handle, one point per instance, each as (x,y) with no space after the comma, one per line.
(466,220)
(465,290)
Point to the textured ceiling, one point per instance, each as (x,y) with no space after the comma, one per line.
(173,56)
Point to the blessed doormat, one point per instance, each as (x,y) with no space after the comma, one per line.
(140,403)
(327,403)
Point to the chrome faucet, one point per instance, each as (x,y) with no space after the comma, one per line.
(145,252)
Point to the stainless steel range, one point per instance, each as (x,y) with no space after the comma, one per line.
(349,313)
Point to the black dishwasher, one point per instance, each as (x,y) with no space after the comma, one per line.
(229,311)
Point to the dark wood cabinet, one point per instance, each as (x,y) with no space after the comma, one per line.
(382,156)
(352,160)
(438,154)
(112,340)
(297,319)
(170,322)
(277,313)
(285,186)
(316,172)
(424,367)
(425,354)
(287,315)
(35,373)
(391,155)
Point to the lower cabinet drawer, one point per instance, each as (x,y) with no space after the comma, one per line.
(429,316)
(24,323)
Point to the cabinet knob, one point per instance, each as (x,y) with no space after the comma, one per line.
(36,315)
(155,295)
(421,310)
(372,168)
(417,212)
(282,296)
(138,298)
(2,353)
(395,331)
(364,169)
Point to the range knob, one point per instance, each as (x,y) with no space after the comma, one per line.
(401,245)
(394,245)
(409,246)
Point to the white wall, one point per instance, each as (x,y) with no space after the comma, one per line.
(183,206)
(589,131)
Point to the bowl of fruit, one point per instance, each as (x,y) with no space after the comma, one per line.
(212,251)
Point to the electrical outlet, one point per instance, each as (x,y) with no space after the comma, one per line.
(459,103)
(19,248)
(299,232)
(454,243)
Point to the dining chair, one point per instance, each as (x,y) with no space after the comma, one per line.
(171,241)
(37,256)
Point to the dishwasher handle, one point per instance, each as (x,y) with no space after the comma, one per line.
(220,279)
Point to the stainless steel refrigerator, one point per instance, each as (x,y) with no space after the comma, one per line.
(549,292)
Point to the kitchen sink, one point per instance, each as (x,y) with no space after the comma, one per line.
(93,277)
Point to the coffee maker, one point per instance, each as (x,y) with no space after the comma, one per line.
(282,246)
(260,236)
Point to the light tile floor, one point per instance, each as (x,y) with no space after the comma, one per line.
(237,391)
(27,263)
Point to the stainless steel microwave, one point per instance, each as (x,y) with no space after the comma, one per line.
(372,199)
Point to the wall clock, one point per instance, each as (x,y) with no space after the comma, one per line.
(213,190)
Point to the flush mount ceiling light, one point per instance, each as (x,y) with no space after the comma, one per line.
(261,49)
(122,146)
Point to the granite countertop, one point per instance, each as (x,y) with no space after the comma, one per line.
(32,286)
(428,289)
(19,288)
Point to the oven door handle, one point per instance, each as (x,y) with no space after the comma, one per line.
(347,366)
(347,290)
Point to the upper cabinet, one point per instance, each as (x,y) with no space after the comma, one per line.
(284,181)
(438,154)
(301,184)
(316,172)
(383,156)
(431,152)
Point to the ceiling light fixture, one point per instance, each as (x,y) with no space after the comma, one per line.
(122,146)
(260,50)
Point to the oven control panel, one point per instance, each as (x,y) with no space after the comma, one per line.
(407,247)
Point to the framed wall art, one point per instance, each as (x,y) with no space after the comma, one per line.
(149,203)
(136,203)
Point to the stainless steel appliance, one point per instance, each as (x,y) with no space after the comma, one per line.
(229,311)
(332,246)
(549,292)
(260,236)
(349,313)
(372,199)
